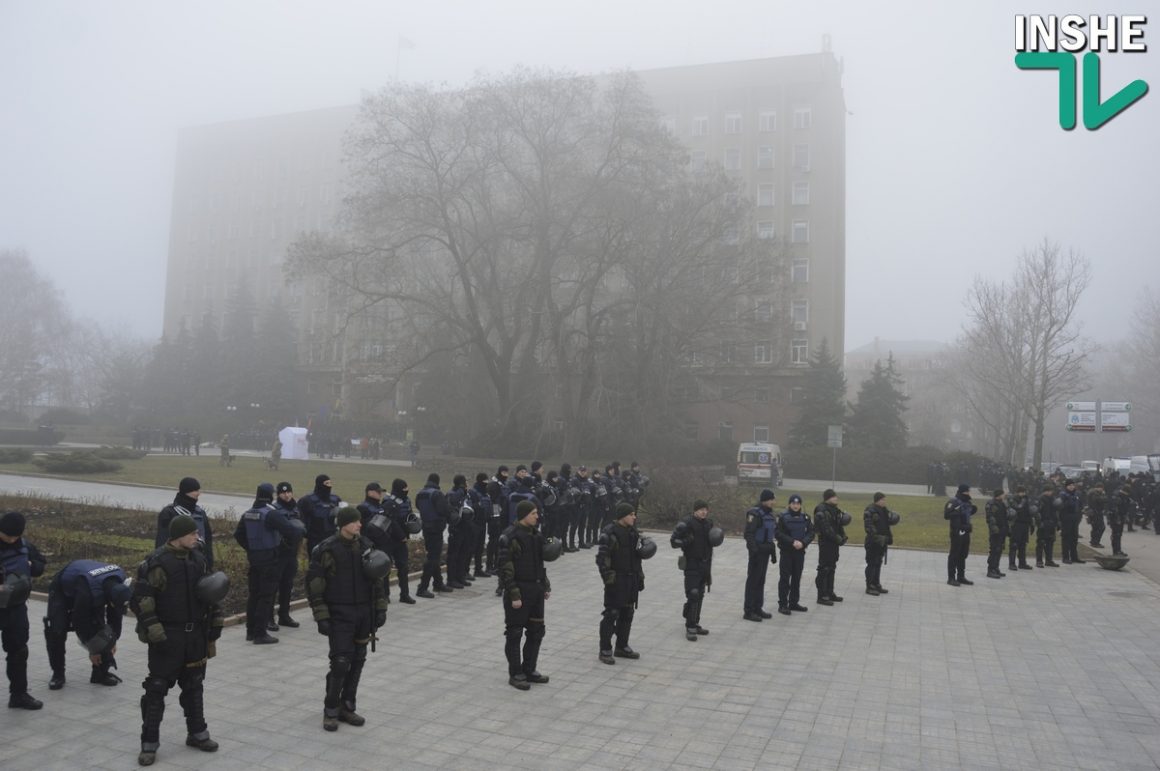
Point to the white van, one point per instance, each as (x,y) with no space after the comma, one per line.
(759,463)
(1117,464)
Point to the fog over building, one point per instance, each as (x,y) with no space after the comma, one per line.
(245,190)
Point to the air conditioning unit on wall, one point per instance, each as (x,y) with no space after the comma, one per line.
(799,326)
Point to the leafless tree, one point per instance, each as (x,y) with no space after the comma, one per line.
(1026,353)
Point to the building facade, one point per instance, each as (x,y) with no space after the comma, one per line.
(244,191)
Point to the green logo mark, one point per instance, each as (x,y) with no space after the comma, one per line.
(1095,112)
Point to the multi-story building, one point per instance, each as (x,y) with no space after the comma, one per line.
(245,190)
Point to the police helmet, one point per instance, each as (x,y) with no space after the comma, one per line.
(893,518)
(102,641)
(646,547)
(14,590)
(716,536)
(553,548)
(845,518)
(413,523)
(213,588)
(376,564)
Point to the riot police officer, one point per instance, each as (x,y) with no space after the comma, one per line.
(1119,509)
(794,534)
(460,516)
(260,531)
(526,587)
(344,585)
(997,527)
(497,492)
(88,596)
(1069,518)
(402,526)
(317,512)
(830,528)
(958,512)
(696,537)
(175,599)
(759,541)
(434,510)
(1095,505)
(376,523)
(288,552)
(20,562)
(482,508)
(618,559)
(1046,526)
(1021,529)
(185,502)
(877,520)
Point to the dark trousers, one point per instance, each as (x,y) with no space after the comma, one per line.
(457,553)
(592,527)
(789,584)
(1020,535)
(433,541)
(1117,536)
(401,557)
(1097,528)
(494,529)
(874,555)
(618,621)
(14,638)
(755,580)
(827,567)
(1044,545)
(696,584)
(1069,539)
(350,632)
(995,553)
(957,556)
(263,585)
(526,620)
(478,539)
(178,660)
(287,571)
(575,518)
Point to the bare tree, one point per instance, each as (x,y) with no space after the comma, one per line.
(33,328)
(1026,352)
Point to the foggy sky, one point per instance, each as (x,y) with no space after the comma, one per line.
(955,159)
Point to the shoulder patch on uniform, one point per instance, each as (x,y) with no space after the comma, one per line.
(749,518)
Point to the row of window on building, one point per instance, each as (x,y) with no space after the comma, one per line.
(731,159)
(728,354)
(734,122)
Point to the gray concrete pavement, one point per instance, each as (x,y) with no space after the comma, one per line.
(118,495)
(1042,669)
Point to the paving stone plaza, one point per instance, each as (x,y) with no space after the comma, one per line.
(1055,668)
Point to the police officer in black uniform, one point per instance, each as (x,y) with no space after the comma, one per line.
(1046,525)
(1094,504)
(178,616)
(958,512)
(434,510)
(525,586)
(794,533)
(1021,529)
(348,605)
(830,526)
(288,552)
(696,537)
(997,527)
(1070,515)
(460,516)
(1119,508)
(760,522)
(497,521)
(88,596)
(618,559)
(877,519)
(398,507)
(260,531)
(185,502)
(376,524)
(481,505)
(317,512)
(20,562)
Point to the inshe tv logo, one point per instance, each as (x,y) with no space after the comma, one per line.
(1053,43)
